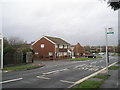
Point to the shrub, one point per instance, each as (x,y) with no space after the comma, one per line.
(9,49)
(27,50)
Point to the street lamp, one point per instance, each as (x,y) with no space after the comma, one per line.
(1,46)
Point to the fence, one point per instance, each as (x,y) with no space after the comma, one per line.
(29,57)
(17,58)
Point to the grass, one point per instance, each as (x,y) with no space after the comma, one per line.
(81,59)
(89,84)
(113,68)
(21,67)
(101,77)
(118,62)
(118,54)
(98,56)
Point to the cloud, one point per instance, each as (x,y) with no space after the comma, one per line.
(75,21)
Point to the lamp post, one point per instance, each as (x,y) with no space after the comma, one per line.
(1,46)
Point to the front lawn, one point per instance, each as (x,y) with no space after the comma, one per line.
(22,67)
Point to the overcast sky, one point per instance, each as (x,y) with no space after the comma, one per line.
(82,21)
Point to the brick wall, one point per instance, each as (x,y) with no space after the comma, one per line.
(43,52)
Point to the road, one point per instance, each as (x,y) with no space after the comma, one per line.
(58,74)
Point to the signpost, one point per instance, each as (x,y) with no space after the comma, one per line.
(1,46)
(110,32)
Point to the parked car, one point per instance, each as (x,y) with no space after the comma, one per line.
(101,53)
(91,56)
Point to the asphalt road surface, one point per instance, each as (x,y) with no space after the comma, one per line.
(54,75)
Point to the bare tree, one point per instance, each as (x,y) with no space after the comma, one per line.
(15,41)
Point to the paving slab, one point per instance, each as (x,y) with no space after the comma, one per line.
(112,81)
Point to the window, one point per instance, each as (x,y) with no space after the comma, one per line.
(65,53)
(60,53)
(65,46)
(50,53)
(36,53)
(77,53)
(42,45)
(60,46)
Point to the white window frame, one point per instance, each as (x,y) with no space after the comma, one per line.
(60,46)
(60,53)
(36,53)
(65,53)
(50,53)
(42,45)
(65,46)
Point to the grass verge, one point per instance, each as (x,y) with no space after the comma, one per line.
(118,54)
(118,62)
(113,68)
(22,67)
(89,84)
(81,59)
(104,77)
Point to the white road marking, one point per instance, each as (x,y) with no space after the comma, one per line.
(85,78)
(79,66)
(11,80)
(87,67)
(93,62)
(67,81)
(5,71)
(90,69)
(102,66)
(42,76)
(101,61)
(55,71)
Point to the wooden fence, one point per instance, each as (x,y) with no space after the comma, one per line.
(11,59)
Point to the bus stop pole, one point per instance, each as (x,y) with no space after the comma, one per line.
(106,50)
(1,51)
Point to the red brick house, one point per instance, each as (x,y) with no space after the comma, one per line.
(50,47)
(77,50)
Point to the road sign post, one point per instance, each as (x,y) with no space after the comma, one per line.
(106,50)
(1,46)
(107,31)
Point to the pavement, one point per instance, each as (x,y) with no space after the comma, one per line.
(114,80)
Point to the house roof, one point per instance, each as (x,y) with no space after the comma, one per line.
(72,45)
(57,40)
